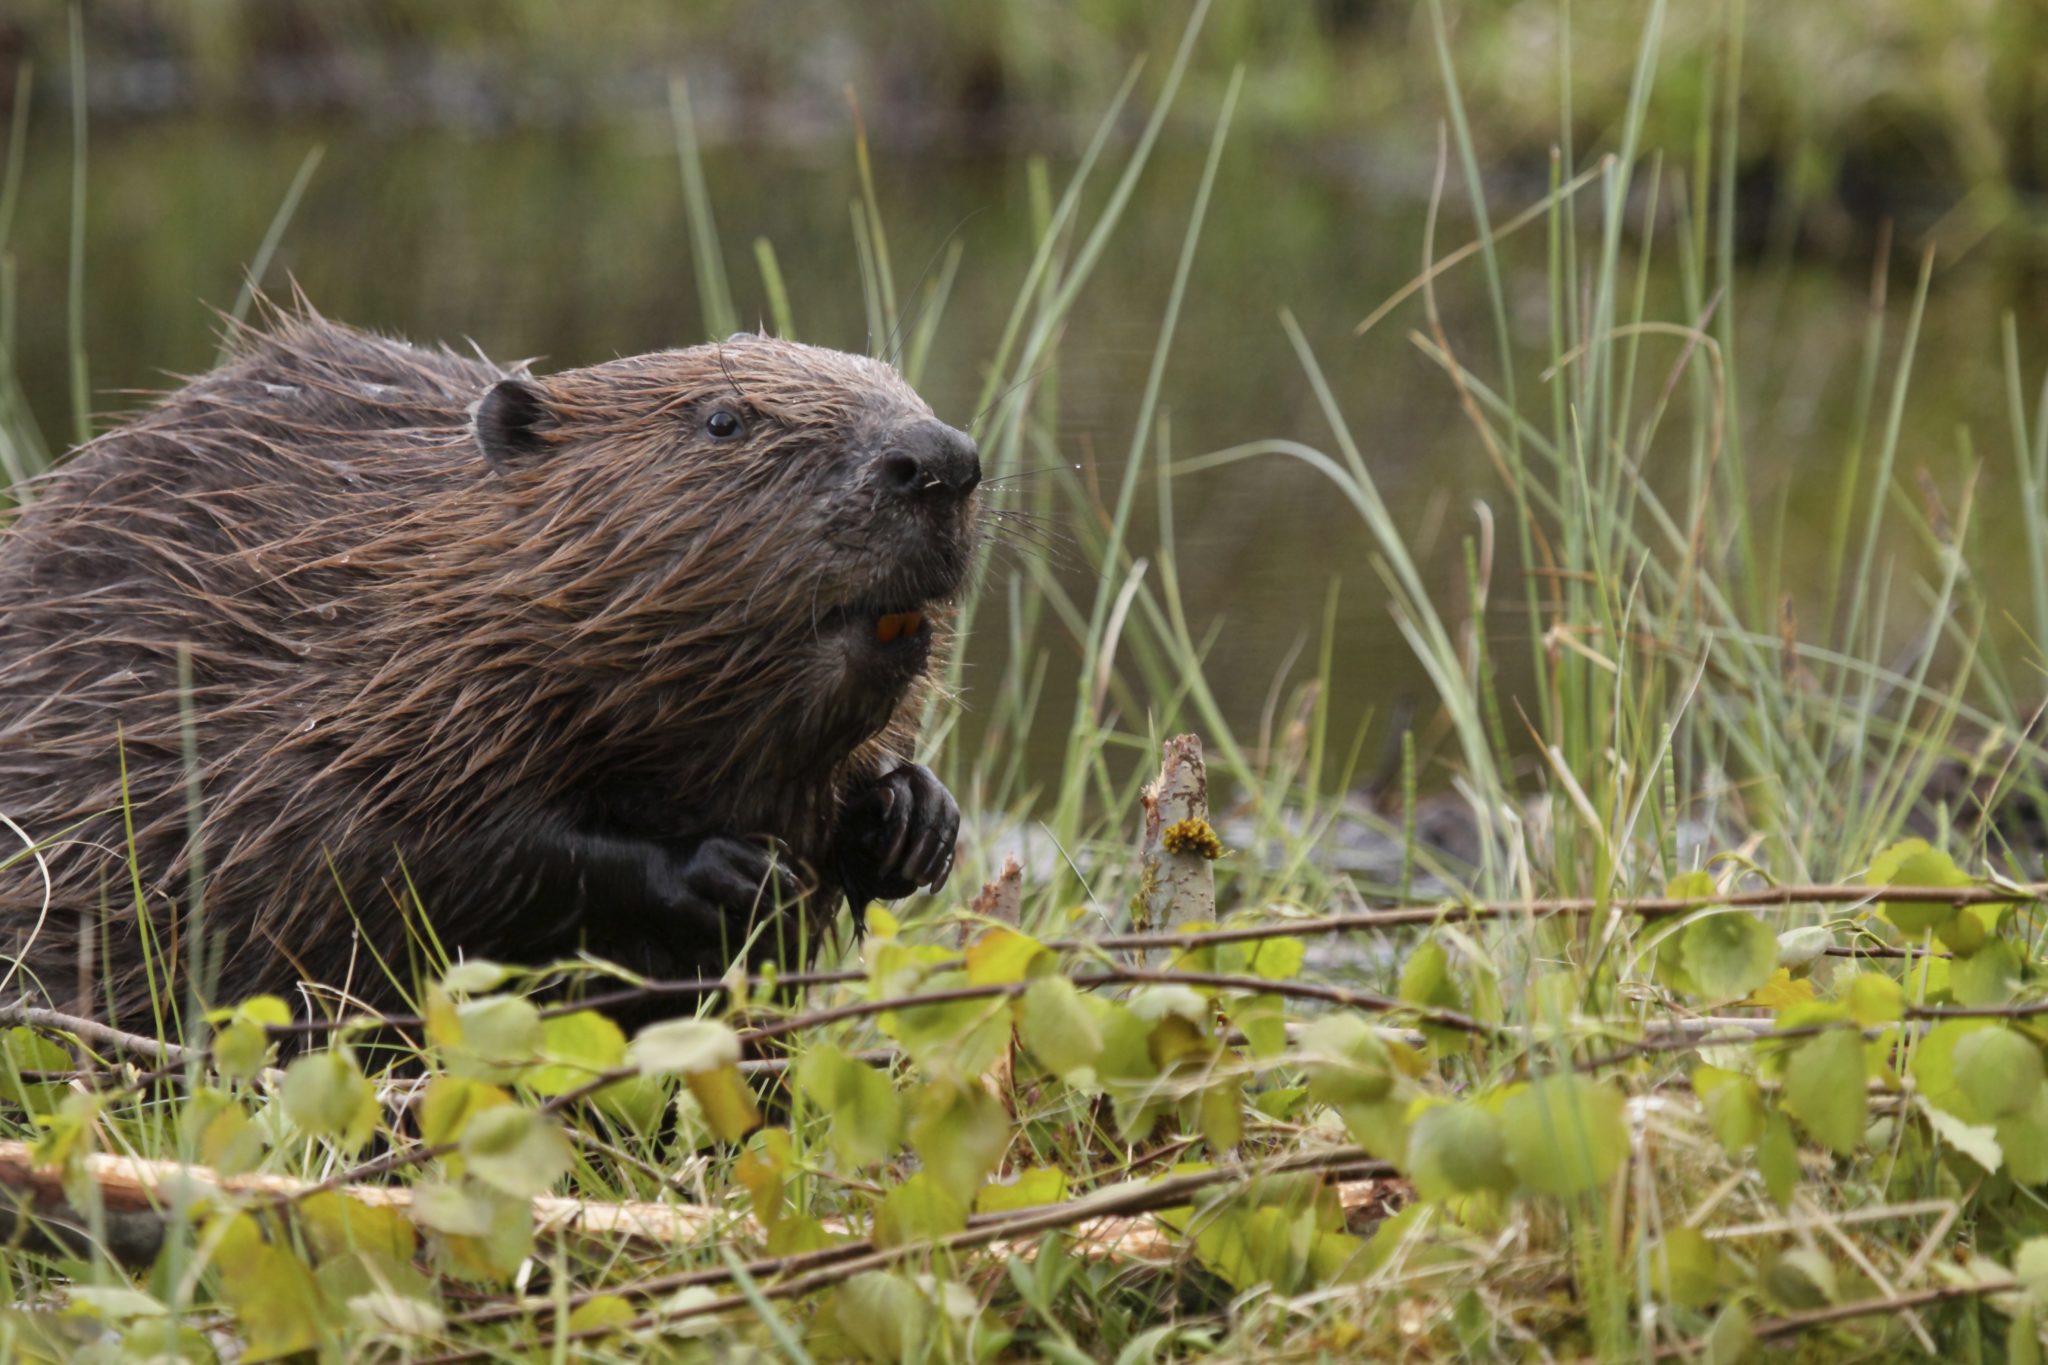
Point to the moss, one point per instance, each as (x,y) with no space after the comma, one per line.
(1196,836)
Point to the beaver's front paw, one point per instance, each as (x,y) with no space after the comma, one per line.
(722,884)
(898,833)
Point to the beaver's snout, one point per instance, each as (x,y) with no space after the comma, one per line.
(930,463)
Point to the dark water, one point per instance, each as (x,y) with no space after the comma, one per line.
(574,247)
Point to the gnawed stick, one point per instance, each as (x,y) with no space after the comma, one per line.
(135,1194)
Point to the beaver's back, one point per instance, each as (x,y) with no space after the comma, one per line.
(229,525)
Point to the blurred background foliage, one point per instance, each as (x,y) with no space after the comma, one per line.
(504,171)
(1849,105)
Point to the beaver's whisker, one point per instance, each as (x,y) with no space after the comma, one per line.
(1007,390)
(1001,480)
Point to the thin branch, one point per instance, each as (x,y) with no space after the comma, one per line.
(1121,1200)
(95,1034)
(1791,1324)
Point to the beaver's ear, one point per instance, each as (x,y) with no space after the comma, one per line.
(511,424)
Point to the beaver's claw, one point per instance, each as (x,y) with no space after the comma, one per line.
(899,833)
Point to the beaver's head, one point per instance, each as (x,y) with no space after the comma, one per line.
(752,526)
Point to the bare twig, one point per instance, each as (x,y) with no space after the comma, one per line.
(1117,1203)
(1388,914)
(95,1034)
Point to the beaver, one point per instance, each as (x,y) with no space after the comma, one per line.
(373,653)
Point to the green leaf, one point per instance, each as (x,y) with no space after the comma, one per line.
(1458,1149)
(1263,1020)
(1174,1039)
(1056,1027)
(275,1300)
(578,1047)
(1565,1134)
(231,1142)
(115,1302)
(326,1094)
(884,1316)
(1734,1104)
(1125,1071)
(727,1104)
(1029,1188)
(1977,1141)
(960,1039)
(1927,981)
(1219,1113)
(762,1168)
(1911,862)
(606,1310)
(516,1150)
(1777,1159)
(67,1134)
(1825,1089)
(1156,1003)
(1282,1102)
(1002,955)
(1697,885)
(337,1225)
(2023,1338)
(2030,1268)
(918,1210)
(1798,1279)
(1875,999)
(240,1048)
(23,1049)
(475,977)
(1345,1060)
(1669,940)
(241,1043)
(387,1312)
(683,1047)
(1998,1070)
(481,1233)
(1804,946)
(450,1102)
(1964,932)
(1934,1067)
(960,1133)
(494,1035)
(866,1117)
(381,1293)
(1728,954)
(1990,976)
(1380,1126)
(1246,1247)
(1730,1340)
(1686,1268)
(464,1211)
(2023,1138)
(1273,959)
(1426,978)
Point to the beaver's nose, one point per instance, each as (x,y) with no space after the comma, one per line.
(931,462)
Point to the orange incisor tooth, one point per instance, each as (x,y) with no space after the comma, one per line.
(897,623)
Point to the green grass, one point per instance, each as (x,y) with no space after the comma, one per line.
(1577,1173)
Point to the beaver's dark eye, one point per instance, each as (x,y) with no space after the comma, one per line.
(723,424)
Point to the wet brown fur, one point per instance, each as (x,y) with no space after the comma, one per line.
(394,647)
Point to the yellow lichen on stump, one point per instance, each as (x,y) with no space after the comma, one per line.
(1196,836)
